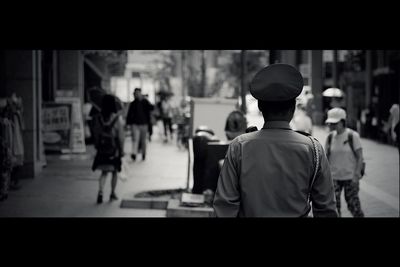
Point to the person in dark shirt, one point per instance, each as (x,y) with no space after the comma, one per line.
(138,118)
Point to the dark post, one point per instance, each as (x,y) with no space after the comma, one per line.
(368,78)
(243,88)
(183,64)
(203,74)
(335,68)
(317,86)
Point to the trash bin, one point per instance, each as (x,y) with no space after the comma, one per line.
(203,135)
(215,152)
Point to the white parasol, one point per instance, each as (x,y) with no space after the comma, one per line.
(333,92)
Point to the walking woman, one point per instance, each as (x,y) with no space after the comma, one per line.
(109,142)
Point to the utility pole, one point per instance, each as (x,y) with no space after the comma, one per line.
(243,88)
(203,74)
(183,63)
(128,91)
(274,56)
(335,68)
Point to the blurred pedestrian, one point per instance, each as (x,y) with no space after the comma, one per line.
(275,172)
(394,120)
(109,142)
(235,125)
(139,118)
(182,121)
(152,120)
(167,114)
(394,124)
(344,151)
(397,131)
(301,121)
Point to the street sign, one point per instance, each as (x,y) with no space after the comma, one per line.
(213,113)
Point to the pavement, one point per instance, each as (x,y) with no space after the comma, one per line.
(379,189)
(68,187)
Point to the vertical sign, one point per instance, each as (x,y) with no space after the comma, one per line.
(56,119)
(77,125)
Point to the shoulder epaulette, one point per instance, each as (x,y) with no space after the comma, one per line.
(303,133)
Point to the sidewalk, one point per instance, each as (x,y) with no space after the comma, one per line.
(68,187)
(379,189)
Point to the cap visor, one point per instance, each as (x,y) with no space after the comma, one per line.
(331,120)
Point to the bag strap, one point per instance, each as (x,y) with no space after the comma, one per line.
(317,163)
(316,155)
(114,121)
(328,150)
(350,139)
(109,124)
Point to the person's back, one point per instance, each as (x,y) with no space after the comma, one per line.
(275,172)
(108,134)
(109,142)
(279,163)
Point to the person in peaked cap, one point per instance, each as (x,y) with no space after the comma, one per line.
(275,172)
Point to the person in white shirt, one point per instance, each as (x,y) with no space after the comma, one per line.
(301,121)
(346,159)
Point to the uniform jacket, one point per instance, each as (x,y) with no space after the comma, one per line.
(268,174)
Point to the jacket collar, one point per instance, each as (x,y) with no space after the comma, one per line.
(277,125)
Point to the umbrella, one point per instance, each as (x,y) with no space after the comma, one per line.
(95,96)
(163,93)
(333,92)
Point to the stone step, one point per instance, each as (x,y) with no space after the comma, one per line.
(145,203)
(172,206)
(175,210)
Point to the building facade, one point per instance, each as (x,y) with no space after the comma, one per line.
(40,76)
(370,80)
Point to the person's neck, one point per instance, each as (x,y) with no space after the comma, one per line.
(277,119)
(340,131)
(287,118)
(271,120)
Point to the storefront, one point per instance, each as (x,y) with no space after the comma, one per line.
(40,78)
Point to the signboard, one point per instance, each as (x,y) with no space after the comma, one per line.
(212,112)
(56,119)
(77,126)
